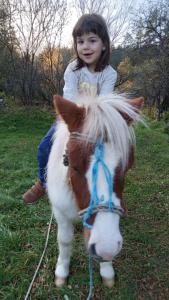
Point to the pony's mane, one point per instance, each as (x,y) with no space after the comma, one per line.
(104,122)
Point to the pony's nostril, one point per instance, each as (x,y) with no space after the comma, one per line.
(92,250)
(93,253)
(119,243)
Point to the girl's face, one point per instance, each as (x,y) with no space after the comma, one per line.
(89,49)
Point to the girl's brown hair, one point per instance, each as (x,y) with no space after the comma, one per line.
(93,23)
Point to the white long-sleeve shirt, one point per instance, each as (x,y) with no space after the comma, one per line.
(83,81)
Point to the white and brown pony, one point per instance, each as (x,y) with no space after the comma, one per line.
(92,150)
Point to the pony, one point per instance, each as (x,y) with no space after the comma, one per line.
(92,150)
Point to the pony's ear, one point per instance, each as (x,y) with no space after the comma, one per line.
(72,114)
(137,104)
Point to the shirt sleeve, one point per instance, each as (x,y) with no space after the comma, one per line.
(109,80)
(71,84)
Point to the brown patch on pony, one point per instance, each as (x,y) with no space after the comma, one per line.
(119,187)
(131,158)
(72,114)
(119,180)
(79,160)
(78,156)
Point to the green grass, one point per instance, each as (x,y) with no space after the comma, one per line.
(142,268)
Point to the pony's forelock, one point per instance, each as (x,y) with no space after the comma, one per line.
(104,122)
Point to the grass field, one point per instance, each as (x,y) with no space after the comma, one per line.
(143,266)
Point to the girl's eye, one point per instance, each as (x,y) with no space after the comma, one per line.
(92,41)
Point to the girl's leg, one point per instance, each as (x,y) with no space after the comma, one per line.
(38,189)
(43,154)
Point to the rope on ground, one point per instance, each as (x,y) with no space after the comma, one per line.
(89,297)
(40,261)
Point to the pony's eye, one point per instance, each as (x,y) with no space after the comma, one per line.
(75,168)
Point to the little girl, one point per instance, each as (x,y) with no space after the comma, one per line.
(89,74)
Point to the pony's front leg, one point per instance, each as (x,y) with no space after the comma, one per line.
(65,237)
(107,273)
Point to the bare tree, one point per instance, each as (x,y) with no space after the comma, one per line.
(52,59)
(116,13)
(35,21)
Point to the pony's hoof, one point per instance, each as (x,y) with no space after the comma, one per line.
(59,282)
(108,282)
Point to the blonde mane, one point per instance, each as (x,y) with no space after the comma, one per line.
(105,122)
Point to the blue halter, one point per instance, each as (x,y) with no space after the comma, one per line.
(95,201)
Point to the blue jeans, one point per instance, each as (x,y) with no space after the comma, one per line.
(43,154)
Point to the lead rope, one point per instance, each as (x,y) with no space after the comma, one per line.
(90,296)
(40,261)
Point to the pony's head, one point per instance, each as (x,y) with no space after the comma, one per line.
(100,150)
